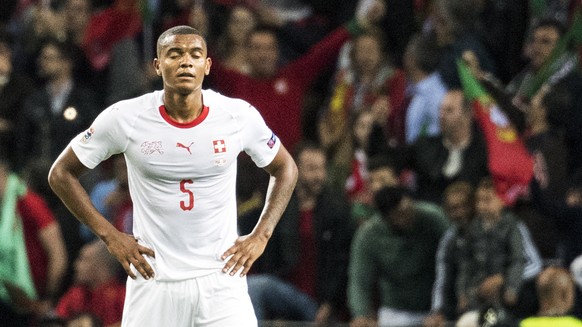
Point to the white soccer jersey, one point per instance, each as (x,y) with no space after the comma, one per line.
(181,176)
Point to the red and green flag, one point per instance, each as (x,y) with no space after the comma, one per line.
(510,165)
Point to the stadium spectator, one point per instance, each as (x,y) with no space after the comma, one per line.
(55,112)
(555,290)
(406,236)
(15,87)
(427,89)
(315,235)
(231,45)
(278,92)
(491,266)
(98,289)
(369,83)
(454,27)
(458,204)
(36,231)
(457,153)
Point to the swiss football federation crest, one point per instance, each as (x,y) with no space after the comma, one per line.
(219,146)
(152,147)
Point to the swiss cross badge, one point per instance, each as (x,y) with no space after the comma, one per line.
(219,146)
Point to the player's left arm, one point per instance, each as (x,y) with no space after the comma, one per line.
(248,248)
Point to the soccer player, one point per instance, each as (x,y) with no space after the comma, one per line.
(181,146)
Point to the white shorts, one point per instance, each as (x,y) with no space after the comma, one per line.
(215,300)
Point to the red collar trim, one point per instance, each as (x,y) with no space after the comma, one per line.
(191,124)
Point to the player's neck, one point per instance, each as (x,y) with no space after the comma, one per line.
(183,108)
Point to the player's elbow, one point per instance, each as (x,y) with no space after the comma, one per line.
(56,175)
(294,172)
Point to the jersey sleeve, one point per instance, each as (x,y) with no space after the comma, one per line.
(106,136)
(259,142)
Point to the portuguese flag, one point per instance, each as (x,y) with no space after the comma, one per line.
(510,165)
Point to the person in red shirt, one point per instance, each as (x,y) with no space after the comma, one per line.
(278,92)
(44,245)
(97,289)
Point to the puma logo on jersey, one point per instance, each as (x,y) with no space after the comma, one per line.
(152,147)
(180,145)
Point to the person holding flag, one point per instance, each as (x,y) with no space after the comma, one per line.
(553,64)
(510,165)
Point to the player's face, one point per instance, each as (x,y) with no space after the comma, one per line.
(183,63)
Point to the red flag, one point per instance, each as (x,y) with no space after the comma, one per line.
(510,164)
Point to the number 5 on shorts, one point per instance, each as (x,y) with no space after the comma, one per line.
(190,203)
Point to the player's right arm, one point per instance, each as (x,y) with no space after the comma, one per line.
(64,180)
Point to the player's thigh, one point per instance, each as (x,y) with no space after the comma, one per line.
(153,303)
(224,302)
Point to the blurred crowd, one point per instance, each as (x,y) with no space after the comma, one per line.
(439,147)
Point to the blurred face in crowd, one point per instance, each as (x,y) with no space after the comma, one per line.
(86,263)
(488,205)
(458,208)
(47,22)
(381,177)
(543,41)
(556,289)
(401,218)
(182,62)
(452,114)
(367,54)
(263,54)
(312,171)
(78,13)
(240,23)
(443,25)
(363,127)
(51,63)
(199,19)
(5,60)
(574,197)
(409,60)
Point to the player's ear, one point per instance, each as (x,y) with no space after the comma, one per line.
(208,64)
(156,64)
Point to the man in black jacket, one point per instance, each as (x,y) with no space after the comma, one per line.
(313,241)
